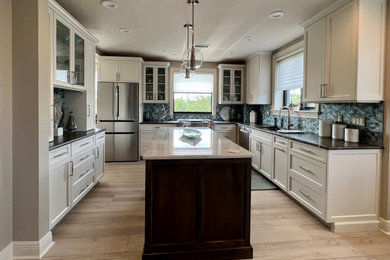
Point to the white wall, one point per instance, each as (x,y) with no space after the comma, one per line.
(5,124)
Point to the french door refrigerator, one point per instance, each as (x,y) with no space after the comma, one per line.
(117,111)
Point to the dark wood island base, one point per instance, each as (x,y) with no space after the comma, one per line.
(198,209)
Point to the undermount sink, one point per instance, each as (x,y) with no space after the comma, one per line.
(290,131)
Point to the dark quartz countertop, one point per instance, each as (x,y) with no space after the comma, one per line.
(68,138)
(176,121)
(314,139)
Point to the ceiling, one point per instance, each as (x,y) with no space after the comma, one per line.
(157,31)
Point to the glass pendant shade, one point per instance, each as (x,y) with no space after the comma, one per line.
(192,60)
(186,73)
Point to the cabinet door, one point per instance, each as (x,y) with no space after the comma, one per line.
(62,52)
(265,159)
(128,71)
(253,148)
(107,71)
(99,162)
(59,193)
(90,83)
(280,167)
(237,86)
(226,86)
(161,84)
(315,49)
(342,39)
(149,89)
(78,74)
(252,79)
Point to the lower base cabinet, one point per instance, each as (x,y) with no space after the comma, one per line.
(74,170)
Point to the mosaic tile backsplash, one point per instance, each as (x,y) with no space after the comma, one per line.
(370,133)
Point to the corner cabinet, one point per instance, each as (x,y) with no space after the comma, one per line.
(119,69)
(344,53)
(258,84)
(155,80)
(231,84)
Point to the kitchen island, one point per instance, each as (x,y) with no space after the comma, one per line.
(198,197)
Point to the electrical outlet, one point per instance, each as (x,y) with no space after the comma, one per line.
(358,121)
(268,113)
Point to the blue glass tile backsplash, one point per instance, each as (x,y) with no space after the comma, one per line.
(370,133)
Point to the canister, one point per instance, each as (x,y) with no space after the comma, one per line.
(253,117)
(351,135)
(338,131)
(325,128)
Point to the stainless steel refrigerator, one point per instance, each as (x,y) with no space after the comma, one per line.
(117,111)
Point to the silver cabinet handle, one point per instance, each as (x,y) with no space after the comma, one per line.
(322,91)
(325,90)
(307,151)
(305,194)
(89,110)
(84,144)
(97,153)
(83,174)
(84,158)
(117,76)
(306,170)
(59,155)
(258,146)
(70,165)
(81,191)
(279,149)
(283,143)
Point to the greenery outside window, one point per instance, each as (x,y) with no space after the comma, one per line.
(193,95)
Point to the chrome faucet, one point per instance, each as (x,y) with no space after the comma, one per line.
(288,118)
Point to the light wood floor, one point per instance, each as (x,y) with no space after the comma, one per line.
(109,224)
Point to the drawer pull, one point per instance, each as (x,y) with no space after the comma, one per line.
(283,143)
(258,146)
(305,194)
(84,158)
(81,191)
(100,137)
(279,149)
(61,154)
(84,173)
(306,170)
(84,144)
(71,168)
(307,151)
(156,127)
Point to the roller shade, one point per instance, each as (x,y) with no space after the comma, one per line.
(198,83)
(289,72)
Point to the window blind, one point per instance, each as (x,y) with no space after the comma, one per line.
(289,72)
(198,83)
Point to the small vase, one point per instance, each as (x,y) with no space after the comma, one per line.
(71,125)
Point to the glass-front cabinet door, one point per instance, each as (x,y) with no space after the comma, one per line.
(155,82)
(231,84)
(237,86)
(62,62)
(79,61)
(226,89)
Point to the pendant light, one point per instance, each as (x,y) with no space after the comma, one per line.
(185,72)
(192,57)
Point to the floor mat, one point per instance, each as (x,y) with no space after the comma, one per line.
(259,182)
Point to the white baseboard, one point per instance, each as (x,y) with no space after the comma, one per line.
(355,226)
(6,253)
(384,226)
(32,249)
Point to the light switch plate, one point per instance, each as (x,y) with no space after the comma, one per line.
(358,121)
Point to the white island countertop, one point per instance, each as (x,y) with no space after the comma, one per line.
(169,143)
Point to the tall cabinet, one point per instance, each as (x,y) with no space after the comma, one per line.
(344,53)
(258,74)
(155,80)
(231,84)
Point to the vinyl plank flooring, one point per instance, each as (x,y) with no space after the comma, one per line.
(109,224)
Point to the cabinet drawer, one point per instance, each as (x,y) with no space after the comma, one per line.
(310,170)
(83,144)
(261,135)
(154,127)
(313,200)
(309,151)
(82,169)
(82,187)
(225,127)
(280,141)
(59,154)
(81,158)
(100,138)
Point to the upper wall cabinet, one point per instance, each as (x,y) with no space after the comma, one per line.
(231,84)
(344,53)
(155,78)
(258,85)
(119,69)
(70,43)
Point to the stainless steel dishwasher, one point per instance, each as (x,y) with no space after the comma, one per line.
(243,136)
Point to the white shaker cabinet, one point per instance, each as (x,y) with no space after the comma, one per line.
(344,53)
(155,80)
(119,69)
(258,84)
(231,84)
(254,147)
(261,146)
(99,156)
(280,162)
(90,84)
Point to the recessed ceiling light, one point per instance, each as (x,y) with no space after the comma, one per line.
(124,30)
(109,4)
(276,15)
(248,38)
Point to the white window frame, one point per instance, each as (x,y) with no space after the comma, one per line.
(214,96)
(277,94)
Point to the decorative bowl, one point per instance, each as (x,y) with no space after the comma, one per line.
(191,133)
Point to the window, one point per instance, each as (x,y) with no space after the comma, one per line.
(289,81)
(193,95)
